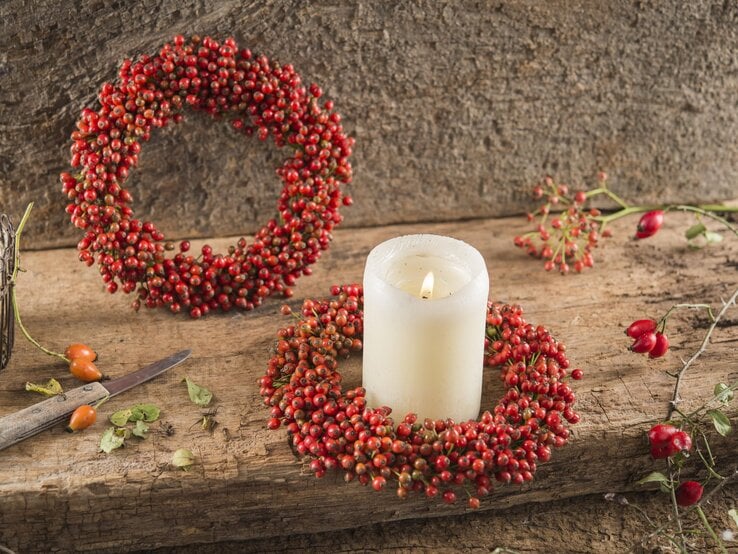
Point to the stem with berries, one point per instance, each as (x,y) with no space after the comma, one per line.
(568,232)
(13,299)
(672,440)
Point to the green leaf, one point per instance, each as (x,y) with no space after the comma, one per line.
(183,458)
(145,412)
(199,395)
(51,388)
(654,477)
(140,429)
(123,432)
(720,421)
(111,440)
(723,393)
(734,514)
(695,231)
(120,418)
(712,237)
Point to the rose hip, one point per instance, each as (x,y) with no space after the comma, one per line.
(689,493)
(639,327)
(661,347)
(649,224)
(645,343)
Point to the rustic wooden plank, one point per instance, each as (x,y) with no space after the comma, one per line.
(57,491)
(468,102)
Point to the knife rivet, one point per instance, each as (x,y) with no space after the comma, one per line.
(87,388)
(61,398)
(36,410)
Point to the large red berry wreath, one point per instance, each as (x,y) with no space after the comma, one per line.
(302,385)
(258,96)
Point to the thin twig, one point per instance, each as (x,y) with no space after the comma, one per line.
(710,530)
(13,298)
(675,506)
(675,396)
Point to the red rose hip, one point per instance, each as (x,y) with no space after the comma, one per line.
(661,434)
(639,327)
(644,343)
(689,493)
(661,347)
(649,224)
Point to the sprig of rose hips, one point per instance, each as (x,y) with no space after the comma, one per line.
(79,357)
(650,335)
(674,439)
(567,231)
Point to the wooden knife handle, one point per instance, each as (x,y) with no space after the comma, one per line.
(34,419)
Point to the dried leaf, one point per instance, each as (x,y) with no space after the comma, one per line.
(734,514)
(723,393)
(145,412)
(140,429)
(120,418)
(51,388)
(111,440)
(654,477)
(183,458)
(199,395)
(712,237)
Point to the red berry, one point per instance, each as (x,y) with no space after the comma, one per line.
(689,493)
(644,343)
(640,326)
(661,434)
(649,224)
(661,347)
(661,452)
(577,374)
(680,442)
(378,483)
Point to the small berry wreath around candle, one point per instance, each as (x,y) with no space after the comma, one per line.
(302,386)
(258,96)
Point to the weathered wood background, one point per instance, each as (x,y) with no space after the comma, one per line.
(58,492)
(457,106)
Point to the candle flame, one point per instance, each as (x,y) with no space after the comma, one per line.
(426,290)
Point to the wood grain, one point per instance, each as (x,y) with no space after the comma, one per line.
(457,107)
(58,492)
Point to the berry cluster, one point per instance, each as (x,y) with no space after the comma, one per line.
(258,96)
(667,441)
(570,235)
(649,337)
(302,386)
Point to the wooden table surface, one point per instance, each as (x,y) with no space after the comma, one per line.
(57,491)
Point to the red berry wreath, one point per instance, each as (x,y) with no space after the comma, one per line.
(302,386)
(257,95)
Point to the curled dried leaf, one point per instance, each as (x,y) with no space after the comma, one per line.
(51,388)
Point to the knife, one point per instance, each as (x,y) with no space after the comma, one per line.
(34,419)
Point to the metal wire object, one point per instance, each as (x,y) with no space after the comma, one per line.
(7,261)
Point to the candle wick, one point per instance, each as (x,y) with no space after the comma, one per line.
(426,290)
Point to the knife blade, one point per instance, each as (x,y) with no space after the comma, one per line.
(29,421)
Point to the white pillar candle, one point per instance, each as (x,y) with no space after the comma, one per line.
(425,306)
